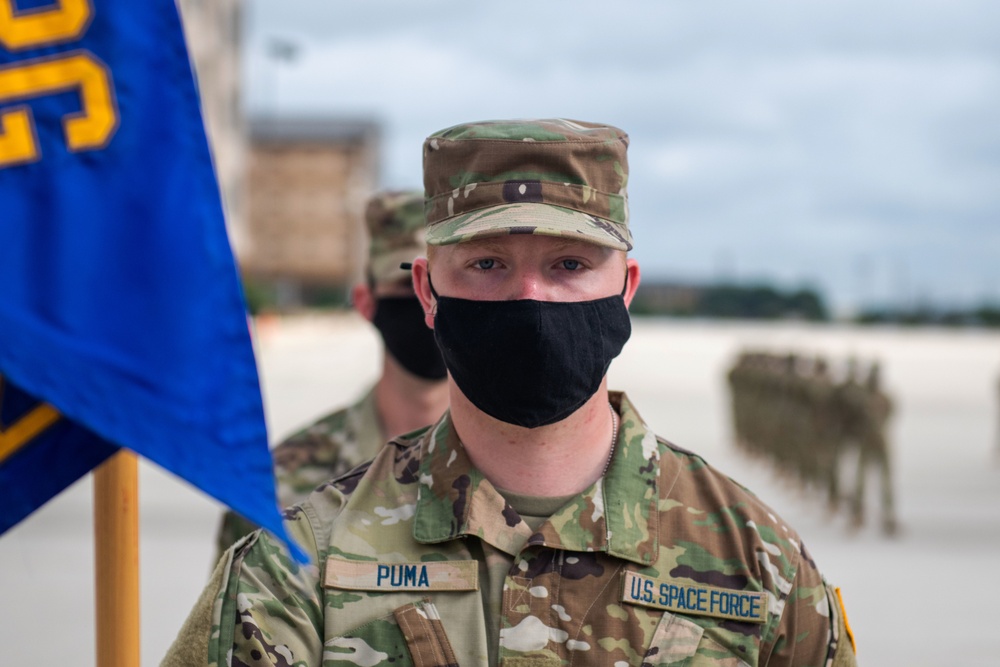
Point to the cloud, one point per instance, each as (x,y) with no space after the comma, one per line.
(793,137)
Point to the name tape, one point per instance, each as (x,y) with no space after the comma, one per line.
(355,575)
(695,600)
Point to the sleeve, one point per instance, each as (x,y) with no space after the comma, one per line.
(812,630)
(260,607)
(269,610)
(191,645)
(231,529)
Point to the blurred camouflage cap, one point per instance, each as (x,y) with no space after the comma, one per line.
(553,177)
(395,221)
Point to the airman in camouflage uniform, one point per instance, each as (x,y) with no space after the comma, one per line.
(825,421)
(432,555)
(996,439)
(341,440)
(871,414)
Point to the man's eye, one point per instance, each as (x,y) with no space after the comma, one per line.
(485,264)
(571,264)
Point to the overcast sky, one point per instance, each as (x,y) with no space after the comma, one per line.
(849,145)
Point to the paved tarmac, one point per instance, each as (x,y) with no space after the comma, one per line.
(926,598)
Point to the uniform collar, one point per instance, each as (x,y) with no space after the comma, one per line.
(617,515)
(370,435)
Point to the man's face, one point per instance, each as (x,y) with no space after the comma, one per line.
(401,287)
(510,267)
(365,298)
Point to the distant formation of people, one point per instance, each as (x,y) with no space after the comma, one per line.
(810,422)
(997,441)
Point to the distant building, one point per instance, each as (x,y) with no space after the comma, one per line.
(294,188)
(213,29)
(308,181)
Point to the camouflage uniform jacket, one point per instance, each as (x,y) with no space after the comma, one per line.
(325,449)
(664,561)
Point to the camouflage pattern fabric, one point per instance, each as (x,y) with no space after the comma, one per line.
(395,223)
(664,561)
(323,450)
(553,177)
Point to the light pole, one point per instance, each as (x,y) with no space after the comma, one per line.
(281,50)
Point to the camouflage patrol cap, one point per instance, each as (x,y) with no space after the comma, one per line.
(395,222)
(552,177)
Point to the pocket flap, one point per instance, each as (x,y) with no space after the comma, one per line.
(425,635)
(675,640)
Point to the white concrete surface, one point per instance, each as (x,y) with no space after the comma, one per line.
(927,598)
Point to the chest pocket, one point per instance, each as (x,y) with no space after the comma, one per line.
(680,642)
(675,641)
(411,636)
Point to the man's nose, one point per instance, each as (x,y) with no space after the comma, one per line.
(528,284)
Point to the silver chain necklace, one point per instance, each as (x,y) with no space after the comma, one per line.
(614,439)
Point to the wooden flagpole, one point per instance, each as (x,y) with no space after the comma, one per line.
(116,560)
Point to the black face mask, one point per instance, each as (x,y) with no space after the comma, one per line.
(528,362)
(400,321)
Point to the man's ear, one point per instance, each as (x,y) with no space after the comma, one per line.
(364,301)
(422,288)
(632,273)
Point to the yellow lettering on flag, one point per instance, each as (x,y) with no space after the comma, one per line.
(26,428)
(30,28)
(82,72)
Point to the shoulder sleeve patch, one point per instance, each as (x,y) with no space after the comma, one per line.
(844,621)
(842,651)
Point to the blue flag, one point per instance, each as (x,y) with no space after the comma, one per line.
(122,322)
